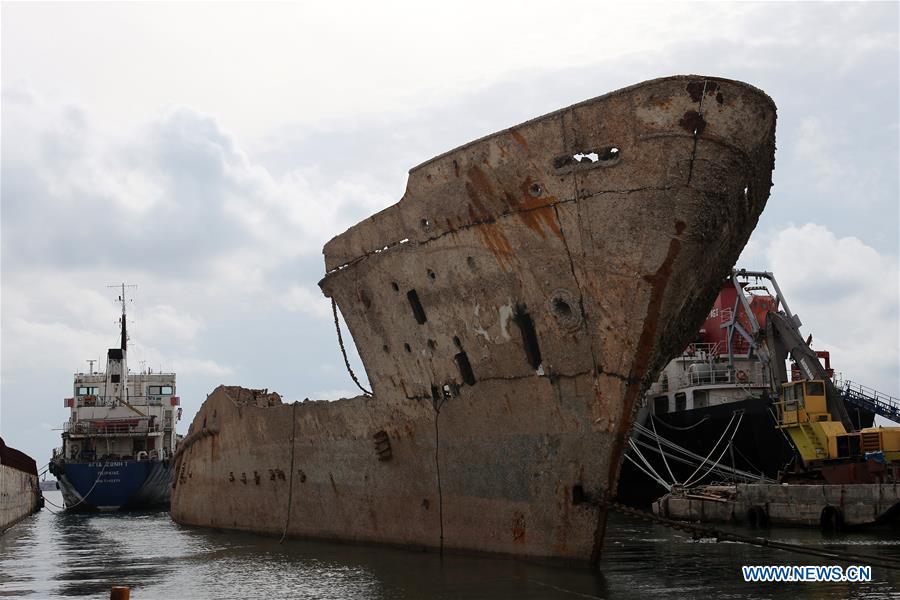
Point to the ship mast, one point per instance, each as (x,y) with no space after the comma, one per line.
(123,345)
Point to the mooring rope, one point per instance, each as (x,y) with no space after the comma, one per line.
(83,498)
(694,458)
(716,464)
(437,466)
(722,470)
(689,427)
(337,327)
(655,475)
(655,479)
(661,453)
(287,519)
(719,441)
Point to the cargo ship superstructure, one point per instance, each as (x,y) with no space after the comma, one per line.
(119,441)
(509,311)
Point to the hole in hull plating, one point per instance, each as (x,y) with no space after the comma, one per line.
(418,311)
(465,368)
(444,392)
(562,308)
(529,336)
(605,156)
(578,496)
(383,446)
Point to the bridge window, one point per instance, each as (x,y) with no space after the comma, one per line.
(160,390)
(815,388)
(88,391)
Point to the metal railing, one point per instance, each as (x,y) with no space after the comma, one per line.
(714,376)
(110,427)
(704,350)
(87,454)
(869,399)
(83,401)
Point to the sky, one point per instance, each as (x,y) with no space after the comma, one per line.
(205,152)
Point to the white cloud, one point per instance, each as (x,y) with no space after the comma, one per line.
(305,300)
(164,325)
(848,298)
(820,151)
(44,350)
(335,394)
(194,366)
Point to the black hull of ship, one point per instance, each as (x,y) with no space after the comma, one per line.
(759,446)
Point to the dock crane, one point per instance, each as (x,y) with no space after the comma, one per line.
(812,409)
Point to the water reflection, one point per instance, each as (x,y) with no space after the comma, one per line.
(63,556)
(107,549)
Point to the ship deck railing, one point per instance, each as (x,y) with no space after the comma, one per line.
(90,455)
(112,429)
(92,400)
(702,351)
(714,377)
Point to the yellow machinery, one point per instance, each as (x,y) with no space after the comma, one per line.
(803,414)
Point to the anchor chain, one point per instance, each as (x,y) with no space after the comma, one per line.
(337,327)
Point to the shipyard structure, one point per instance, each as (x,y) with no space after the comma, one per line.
(20,494)
(510,310)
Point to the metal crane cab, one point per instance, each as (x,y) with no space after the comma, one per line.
(819,437)
(803,402)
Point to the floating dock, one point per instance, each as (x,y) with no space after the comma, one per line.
(805,505)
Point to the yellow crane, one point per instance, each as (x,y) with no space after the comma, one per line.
(803,414)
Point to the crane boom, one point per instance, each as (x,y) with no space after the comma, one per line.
(783,338)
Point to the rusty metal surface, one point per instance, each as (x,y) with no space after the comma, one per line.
(509,311)
(19,492)
(17,459)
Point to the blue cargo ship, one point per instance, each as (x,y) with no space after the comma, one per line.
(119,441)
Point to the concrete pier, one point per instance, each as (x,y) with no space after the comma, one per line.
(828,506)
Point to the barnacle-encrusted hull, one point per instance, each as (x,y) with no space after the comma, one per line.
(509,312)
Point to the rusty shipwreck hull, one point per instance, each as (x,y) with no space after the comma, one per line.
(509,312)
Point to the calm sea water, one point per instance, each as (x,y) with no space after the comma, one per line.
(69,555)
